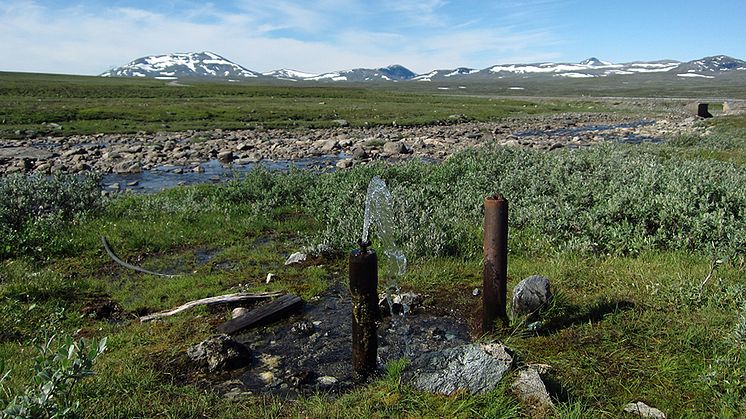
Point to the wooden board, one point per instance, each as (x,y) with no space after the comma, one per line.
(267,313)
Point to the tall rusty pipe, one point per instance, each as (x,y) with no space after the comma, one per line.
(364,291)
(495,275)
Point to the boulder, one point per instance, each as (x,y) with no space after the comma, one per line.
(219,353)
(344,164)
(225,156)
(394,148)
(476,368)
(530,295)
(128,166)
(399,303)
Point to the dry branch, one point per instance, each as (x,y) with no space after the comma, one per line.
(220,299)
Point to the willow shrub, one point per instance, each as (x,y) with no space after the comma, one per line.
(34,207)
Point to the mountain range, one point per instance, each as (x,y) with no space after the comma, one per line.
(208,65)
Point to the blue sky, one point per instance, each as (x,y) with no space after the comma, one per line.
(88,37)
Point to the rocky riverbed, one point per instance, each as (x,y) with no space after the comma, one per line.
(342,147)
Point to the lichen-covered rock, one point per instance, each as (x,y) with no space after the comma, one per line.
(219,353)
(642,410)
(530,389)
(477,368)
(530,295)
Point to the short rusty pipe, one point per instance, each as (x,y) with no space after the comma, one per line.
(364,291)
(495,275)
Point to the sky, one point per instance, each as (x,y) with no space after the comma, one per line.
(89,37)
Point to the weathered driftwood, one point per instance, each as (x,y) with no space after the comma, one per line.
(116,259)
(277,309)
(220,299)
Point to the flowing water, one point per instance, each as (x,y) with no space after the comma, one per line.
(380,215)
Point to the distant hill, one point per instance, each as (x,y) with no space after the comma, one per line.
(188,65)
(207,65)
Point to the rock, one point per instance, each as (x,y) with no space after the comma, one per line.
(127,167)
(296,257)
(225,156)
(219,353)
(476,367)
(475,292)
(359,153)
(329,146)
(344,164)
(530,295)
(341,122)
(644,411)
(394,148)
(530,389)
(270,277)
(238,312)
(326,381)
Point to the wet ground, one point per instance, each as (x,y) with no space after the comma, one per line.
(311,351)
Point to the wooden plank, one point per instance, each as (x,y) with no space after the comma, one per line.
(275,310)
(220,299)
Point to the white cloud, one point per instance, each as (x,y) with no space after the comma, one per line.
(259,35)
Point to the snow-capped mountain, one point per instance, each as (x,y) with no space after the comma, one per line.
(288,74)
(713,64)
(394,72)
(186,65)
(210,65)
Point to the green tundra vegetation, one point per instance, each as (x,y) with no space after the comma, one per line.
(645,246)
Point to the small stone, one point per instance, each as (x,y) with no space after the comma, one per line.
(341,122)
(238,312)
(326,380)
(359,153)
(270,277)
(475,292)
(296,257)
(198,169)
(644,411)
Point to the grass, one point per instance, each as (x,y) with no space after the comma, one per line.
(86,105)
(626,235)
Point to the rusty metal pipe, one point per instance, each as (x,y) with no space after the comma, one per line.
(364,291)
(495,275)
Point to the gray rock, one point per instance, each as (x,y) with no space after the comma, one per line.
(225,156)
(359,153)
(296,257)
(344,164)
(530,295)
(477,368)
(644,411)
(530,389)
(341,122)
(326,381)
(394,148)
(219,353)
(127,167)
(329,145)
